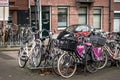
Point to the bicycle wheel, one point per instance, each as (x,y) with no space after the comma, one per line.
(118,61)
(90,62)
(22,58)
(57,52)
(118,64)
(54,64)
(103,62)
(66,65)
(36,57)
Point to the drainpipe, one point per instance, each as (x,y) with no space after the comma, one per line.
(109,15)
(40,16)
(36,27)
(29,10)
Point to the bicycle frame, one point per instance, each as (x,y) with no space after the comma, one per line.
(33,43)
(29,52)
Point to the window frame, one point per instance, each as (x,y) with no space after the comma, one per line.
(82,14)
(118,14)
(60,27)
(116,0)
(98,8)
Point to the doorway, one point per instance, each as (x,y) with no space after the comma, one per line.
(45,19)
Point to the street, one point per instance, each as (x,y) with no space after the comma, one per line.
(9,70)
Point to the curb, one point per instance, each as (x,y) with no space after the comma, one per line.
(9,49)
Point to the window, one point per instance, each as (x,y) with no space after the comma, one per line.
(82,15)
(22,17)
(97,18)
(117,15)
(11,3)
(82,28)
(116,0)
(32,8)
(33,16)
(62,17)
(116,27)
(4,13)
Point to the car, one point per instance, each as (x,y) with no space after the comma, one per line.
(77,29)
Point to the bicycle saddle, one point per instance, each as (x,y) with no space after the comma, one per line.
(42,39)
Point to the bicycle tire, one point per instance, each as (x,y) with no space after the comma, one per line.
(68,63)
(22,58)
(90,64)
(118,64)
(36,57)
(104,61)
(54,64)
(118,61)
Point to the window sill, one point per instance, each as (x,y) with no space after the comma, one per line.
(61,28)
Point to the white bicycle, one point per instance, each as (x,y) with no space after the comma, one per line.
(32,54)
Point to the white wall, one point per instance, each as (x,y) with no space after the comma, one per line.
(4,13)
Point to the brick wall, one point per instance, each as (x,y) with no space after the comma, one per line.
(22,4)
(18,5)
(73,11)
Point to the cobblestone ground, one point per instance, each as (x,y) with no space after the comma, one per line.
(9,70)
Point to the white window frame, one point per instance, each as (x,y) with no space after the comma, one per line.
(116,18)
(67,18)
(87,14)
(116,11)
(116,0)
(101,15)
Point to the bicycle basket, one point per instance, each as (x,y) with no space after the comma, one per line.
(97,41)
(68,44)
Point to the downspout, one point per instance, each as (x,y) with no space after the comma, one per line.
(109,15)
(40,16)
(29,10)
(36,27)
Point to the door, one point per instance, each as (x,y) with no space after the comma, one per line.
(45,20)
(116,25)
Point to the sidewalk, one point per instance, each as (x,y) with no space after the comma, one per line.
(8,48)
(16,47)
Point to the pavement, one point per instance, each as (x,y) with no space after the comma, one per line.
(16,48)
(9,70)
(9,48)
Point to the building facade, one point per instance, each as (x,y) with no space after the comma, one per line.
(101,14)
(58,14)
(18,11)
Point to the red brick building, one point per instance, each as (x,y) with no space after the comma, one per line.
(57,14)
(102,14)
(18,11)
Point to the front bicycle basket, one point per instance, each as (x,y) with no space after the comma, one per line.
(97,41)
(68,44)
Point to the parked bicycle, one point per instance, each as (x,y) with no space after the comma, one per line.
(48,49)
(32,55)
(112,47)
(85,54)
